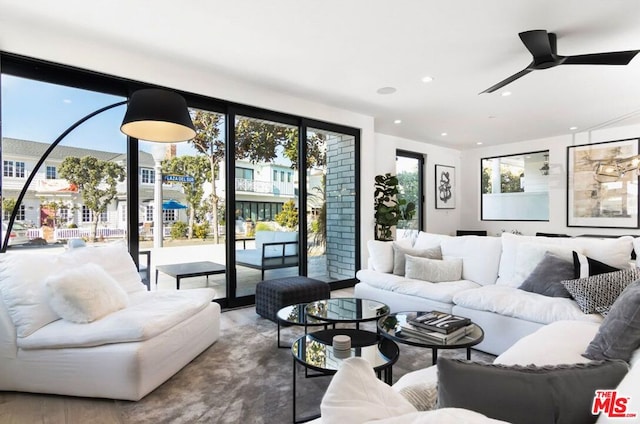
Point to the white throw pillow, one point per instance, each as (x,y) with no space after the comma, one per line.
(433,270)
(480,256)
(114,258)
(381,255)
(355,395)
(85,294)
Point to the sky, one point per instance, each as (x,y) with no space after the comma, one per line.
(38,111)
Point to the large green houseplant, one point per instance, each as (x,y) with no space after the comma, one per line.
(388,208)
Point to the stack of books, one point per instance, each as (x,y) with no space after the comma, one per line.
(438,327)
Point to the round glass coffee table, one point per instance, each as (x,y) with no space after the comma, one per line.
(296,315)
(347,310)
(390,327)
(314,351)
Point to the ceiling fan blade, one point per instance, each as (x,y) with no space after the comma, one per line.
(539,43)
(611,58)
(509,80)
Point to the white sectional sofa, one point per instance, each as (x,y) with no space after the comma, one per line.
(117,340)
(540,363)
(552,357)
(492,270)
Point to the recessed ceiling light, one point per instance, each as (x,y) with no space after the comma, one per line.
(66,101)
(444,134)
(479,143)
(573,128)
(427,78)
(386,90)
(506,93)
(398,121)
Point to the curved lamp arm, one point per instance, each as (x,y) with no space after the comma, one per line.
(53,145)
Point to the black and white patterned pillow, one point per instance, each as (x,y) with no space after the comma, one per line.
(600,291)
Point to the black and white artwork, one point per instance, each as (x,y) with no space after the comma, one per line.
(445,185)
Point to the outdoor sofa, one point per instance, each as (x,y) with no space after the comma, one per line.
(273,250)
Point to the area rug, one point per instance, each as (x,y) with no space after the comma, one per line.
(245,378)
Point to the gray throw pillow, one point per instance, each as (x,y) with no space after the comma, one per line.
(399,253)
(434,270)
(559,394)
(546,277)
(619,334)
(601,290)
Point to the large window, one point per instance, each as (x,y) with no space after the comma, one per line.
(410,172)
(515,187)
(62,199)
(147,176)
(51,173)
(245,175)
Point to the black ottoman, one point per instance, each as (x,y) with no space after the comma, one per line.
(273,295)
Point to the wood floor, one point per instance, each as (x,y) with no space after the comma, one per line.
(27,408)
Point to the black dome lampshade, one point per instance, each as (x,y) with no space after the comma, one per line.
(158,115)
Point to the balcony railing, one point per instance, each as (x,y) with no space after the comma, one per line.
(265,187)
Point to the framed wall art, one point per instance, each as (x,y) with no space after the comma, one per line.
(445,185)
(602,184)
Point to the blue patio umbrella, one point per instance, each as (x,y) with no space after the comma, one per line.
(173,204)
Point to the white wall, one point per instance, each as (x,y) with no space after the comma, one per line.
(470,182)
(444,221)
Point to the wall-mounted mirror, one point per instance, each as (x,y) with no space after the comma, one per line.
(515,187)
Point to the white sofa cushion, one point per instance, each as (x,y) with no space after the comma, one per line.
(85,293)
(429,240)
(381,280)
(276,236)
(614,252)
(22,278)
(480,256)
(148,314)
(114,258)
(380,255)
(442,292)
(521,304)
(561,342)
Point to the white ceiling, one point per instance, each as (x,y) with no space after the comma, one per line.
(339,52)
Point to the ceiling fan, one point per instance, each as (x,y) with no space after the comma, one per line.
(542,45)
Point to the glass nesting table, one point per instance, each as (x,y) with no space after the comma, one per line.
(346,310)
(390,327)
(296,315)
(314,351)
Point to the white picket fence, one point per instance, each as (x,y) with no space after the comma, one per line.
(69,233)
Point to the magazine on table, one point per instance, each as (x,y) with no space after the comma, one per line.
(439,321)
(408,330)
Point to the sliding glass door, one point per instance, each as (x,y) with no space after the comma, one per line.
(257,194)
(266,216)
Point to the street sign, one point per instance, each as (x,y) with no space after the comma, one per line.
(177,179)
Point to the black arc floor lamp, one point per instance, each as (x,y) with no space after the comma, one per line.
(152,114)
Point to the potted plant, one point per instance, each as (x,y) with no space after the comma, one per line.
(388,208)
